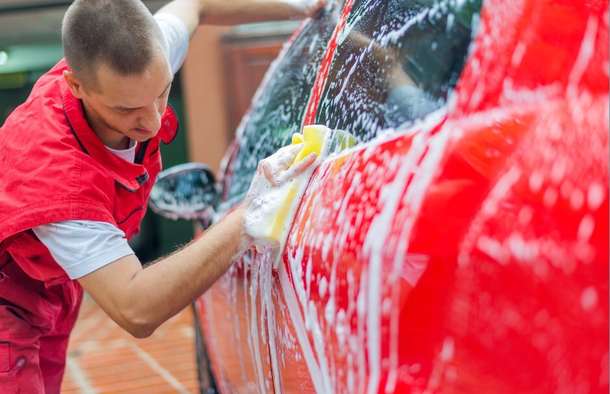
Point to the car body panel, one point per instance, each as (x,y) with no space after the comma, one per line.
(235,335)
(233,312)
(467,251)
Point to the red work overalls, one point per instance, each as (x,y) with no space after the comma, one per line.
(54,168)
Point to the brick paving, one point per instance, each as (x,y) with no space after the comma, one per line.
(102,358)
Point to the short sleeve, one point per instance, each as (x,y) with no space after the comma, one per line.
(176,37)
(81,247)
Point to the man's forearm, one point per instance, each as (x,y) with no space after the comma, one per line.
(229,12)
(224,12)
(161,290)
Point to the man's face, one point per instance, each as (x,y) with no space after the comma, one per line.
(128,106)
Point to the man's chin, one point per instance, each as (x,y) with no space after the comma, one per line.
(142,135)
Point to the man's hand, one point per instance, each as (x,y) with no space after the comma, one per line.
(268,191)
(276,169)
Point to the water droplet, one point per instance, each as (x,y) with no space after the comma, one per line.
(329,311)
(493,249)
(525,215)
(448,349)
(558,170)
(322,287)
(595,196)
(535,181)
(386,307)
(586,227)
(522,249)
(550,197)
(588,299)
(341,328)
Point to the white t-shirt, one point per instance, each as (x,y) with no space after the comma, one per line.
(81,247)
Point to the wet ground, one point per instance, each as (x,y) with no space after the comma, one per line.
(105,359)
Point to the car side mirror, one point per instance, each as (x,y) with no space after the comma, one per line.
(186,191)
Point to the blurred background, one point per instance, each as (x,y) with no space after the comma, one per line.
(210,94)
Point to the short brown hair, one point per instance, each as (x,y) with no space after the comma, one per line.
(121,34)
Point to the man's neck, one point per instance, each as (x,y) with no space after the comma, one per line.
(109,137)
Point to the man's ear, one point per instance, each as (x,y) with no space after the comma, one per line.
(74,84)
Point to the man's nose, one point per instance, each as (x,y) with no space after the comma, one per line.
(151,119)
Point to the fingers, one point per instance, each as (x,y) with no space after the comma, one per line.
(277,168)
(268,172)
(279,162)
(284,157)
(297,169)
(303,165)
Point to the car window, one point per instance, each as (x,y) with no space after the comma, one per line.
(278,111)
(396,61)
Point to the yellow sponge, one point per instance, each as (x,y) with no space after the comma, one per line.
(281,206)
(278,227)
(313,139)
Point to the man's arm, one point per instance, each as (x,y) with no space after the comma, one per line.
(139,300)
(229,12)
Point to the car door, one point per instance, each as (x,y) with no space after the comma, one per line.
(233,313)
(346,275)
(465,247)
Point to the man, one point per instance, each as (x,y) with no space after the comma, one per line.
(77,162)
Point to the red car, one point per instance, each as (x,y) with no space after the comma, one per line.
(462,244)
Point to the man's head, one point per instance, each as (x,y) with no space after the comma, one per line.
(119,67)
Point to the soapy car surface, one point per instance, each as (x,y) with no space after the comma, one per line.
(462,244)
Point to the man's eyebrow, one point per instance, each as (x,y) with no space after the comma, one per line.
(120,107)
(126,108)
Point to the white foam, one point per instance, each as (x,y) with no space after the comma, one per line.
(595,196)
(588,299)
